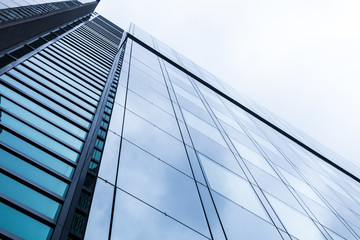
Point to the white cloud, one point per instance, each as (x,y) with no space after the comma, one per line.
(299,59)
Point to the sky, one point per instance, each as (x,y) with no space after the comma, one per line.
(298,59)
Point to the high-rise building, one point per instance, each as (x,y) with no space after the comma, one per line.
(107,134)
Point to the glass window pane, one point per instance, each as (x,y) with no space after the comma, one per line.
(42,111)
(241,224)
(135,220)
(161,186)
(38,137)
(25,227)
(40,123)
(46,101)
(29,197)
(35,153)
(153,140)
(33,173)
(296,223)
(54,83)
(232,186)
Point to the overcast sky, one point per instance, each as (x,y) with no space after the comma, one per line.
(299,59)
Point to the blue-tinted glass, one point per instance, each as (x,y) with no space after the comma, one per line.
(40,123)
(232,187)
(241,224)
(38,137)
(33,173)
(35,153)
(46,101)
(70,93)
(74,70)
(99,218)
(133,219)
(49,90)
(153,114)
(29,197)
(162,186)
(66,82)
(153,140)
(25,227)
(61,73)
(43,112)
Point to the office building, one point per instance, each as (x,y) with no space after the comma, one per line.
(108,134)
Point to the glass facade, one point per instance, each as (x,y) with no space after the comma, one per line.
(106,134)
(55,108)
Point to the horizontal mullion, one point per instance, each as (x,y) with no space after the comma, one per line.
(86,57)
(109,27)
(38,145)
(5,235)
(102,30)
(103,40)
(60,61)
(102,53)
(80,85)
(45,119)
(57,92)
(65,59)
(40,130)
(69,54)
(82,46)
(27,210)
(73,54)
(60,83)
(44,106)
(34,186)
(50,99)
(35,163)
(72,70)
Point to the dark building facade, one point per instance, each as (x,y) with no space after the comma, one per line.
(107,134)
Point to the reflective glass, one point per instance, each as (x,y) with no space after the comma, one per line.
(241,224)
(22,225)
(203,127)
(67,82)
(39,137)
(109,161)
(214,151)
(46,101)
(153,114)
(71,92)
(232,187)
(43,112)
(253,157)
(296,223)
(74,70)
(35,153)
(99,218)
(83,68)
(301,186)
(50,94)
(161,186)
(32,173)
(133,219)
(61,73)
(153,140)
(42,124)
(29,197)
